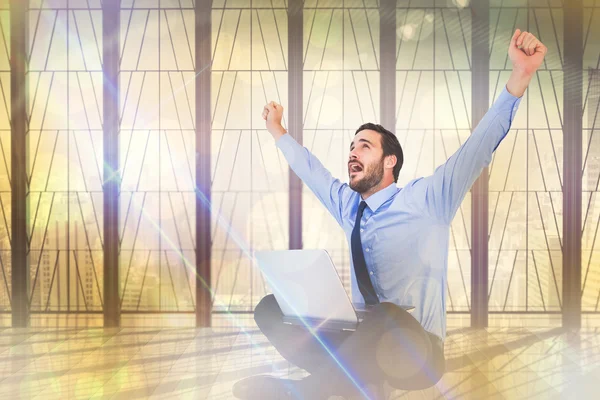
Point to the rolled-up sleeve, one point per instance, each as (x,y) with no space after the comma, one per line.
(330,191)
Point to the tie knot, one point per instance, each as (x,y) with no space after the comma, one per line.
(362,206)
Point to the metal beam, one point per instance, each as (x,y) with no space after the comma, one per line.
(295,125)
(479,193)
(203,179)
(387,63)
(572,100)
(19,170)
(111,184)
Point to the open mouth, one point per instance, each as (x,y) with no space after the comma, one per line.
(354,168)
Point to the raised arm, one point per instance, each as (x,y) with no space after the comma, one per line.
(331,192)
(442,193)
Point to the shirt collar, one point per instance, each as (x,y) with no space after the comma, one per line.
(377,199)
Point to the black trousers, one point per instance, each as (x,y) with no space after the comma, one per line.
(389,344)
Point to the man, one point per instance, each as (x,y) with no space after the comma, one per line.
(399,241)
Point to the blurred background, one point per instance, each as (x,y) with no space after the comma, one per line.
(332,82)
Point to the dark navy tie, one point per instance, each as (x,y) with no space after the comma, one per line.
(360,266)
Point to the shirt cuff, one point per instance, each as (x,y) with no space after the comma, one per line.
(506,103)
(288,147)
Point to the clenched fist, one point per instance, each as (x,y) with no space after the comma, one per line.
(526,52)
(272,113)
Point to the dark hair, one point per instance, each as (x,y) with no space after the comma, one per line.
(389,143)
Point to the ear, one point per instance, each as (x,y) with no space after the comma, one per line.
(390,161)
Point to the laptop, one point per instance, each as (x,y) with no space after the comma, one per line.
(308,289)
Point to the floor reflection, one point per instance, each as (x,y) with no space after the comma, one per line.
(166,357)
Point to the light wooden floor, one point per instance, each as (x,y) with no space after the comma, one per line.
(504,361)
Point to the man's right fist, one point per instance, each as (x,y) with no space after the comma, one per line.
(272,113)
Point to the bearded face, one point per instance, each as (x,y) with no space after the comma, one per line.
(365,177)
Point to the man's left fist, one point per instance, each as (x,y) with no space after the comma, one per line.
(526,52)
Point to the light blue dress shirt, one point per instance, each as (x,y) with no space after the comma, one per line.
(405,231)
